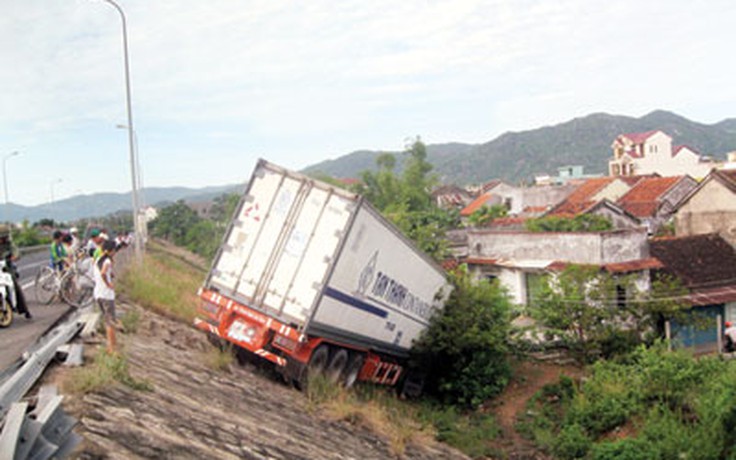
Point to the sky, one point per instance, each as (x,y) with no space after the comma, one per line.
(218,84)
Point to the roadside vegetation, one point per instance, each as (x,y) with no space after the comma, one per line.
(650,404)
(164,283)
(107,369)
(404,422)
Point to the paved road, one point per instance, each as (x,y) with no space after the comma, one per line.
(17,338)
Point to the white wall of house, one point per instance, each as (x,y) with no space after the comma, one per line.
(712,209)
(613,191)
(581,248)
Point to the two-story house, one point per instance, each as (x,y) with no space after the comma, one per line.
(652,152)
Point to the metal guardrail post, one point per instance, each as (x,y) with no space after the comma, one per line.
(16,386)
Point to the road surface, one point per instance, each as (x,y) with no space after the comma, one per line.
(17,338)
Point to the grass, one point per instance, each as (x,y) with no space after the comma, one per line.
(219,359)
(403,422)
(130,320)
(165,284)
(107,369)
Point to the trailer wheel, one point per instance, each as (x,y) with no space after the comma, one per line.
(318,361)
(353,370)
(337,366)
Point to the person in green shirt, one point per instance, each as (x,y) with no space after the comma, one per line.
(58,252)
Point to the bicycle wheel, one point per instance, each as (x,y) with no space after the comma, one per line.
(46,285)
(76,289)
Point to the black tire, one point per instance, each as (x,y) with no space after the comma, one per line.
(338,363)
(318,361)
(76,289)
(353,370)
(45,285)
(6,313)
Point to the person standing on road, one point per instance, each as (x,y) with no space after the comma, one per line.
(94,243)
(104,292)
(58,251)
(9,253)
(76,242)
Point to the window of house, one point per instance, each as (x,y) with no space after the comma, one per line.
(535,285)
(620,296)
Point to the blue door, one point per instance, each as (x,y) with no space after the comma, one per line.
(691,336)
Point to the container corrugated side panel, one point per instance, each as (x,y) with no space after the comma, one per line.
(382,291)
(244,231)
(282,243)
(308,253)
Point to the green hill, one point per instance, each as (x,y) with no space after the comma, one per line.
(518,156)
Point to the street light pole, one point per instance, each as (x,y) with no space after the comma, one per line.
(5,183)
(5,175)
(133,175)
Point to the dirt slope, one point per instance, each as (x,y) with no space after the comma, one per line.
(194,412)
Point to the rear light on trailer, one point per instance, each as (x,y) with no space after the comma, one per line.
(284,343)
(210,309)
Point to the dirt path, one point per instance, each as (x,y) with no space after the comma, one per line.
(198,413)
(529,377)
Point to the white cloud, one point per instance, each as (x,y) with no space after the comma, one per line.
(317,77)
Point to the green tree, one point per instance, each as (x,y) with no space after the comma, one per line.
(487,214)
(579,304)
(173,223)
(464,351)
(579,223)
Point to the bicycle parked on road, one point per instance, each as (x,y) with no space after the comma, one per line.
(73,285)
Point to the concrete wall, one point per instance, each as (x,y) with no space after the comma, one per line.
(619,221)
(581,248)
(711,210)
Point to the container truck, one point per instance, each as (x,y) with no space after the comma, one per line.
(312,278)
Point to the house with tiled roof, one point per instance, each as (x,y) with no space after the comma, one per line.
(652,152)
(519,199)
(597,196)
(710,208)
(706,266)
(521,260)
(653,200)
(451,197)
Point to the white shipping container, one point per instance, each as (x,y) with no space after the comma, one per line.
(325,262)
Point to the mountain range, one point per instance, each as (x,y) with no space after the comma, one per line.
(518,156)
(101,204)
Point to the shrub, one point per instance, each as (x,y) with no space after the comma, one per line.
(572,442)
(464,350)
(625,449)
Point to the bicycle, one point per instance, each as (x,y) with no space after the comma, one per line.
(72,285)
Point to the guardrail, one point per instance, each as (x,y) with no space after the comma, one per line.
(45,432)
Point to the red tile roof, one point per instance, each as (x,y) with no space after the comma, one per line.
(480,261)
(490,185)
(476,204)
(634,265)
(643,199)
(581,198)
(349,181)
(639,138)
(508,221)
